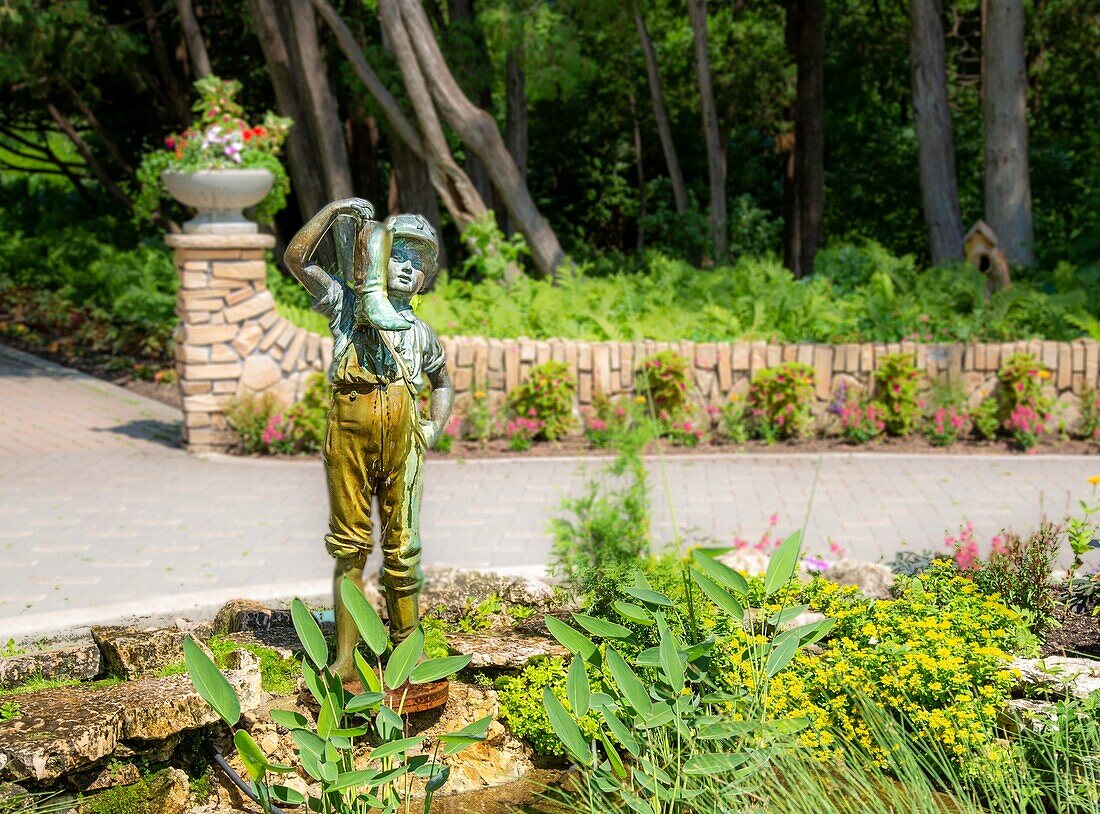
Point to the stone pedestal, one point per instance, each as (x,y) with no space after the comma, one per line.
(232,340)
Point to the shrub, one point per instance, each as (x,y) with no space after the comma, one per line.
(478,422)
(520,699)
(605,420)
(1019,571)
(265,427)
(860,423)
(897,382)
(984,419)
(546,396)
(663,380)
(684,433)
(1089,425)
(944,426)
(250,416)
(1019,408)
(780,399)
(446,440)
(521,433)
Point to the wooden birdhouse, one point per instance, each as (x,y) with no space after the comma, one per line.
(982,252)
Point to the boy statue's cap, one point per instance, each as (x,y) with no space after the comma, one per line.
(415,227)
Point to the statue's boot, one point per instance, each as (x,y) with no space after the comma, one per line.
(404,613)
(372,260)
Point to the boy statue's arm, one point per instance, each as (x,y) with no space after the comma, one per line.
(442,400)
(301,247)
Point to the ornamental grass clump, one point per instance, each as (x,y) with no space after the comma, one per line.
(780,400)
(897,384)
(221,138)
(546,396)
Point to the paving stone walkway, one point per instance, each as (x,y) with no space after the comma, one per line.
(103,517)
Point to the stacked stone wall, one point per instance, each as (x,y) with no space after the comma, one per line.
(233,341)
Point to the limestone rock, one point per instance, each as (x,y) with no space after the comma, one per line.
(873,579)
(131,653)
(260,372)
(104,778)
(65,730)
(746,561)
(510,651)
(243,614)
(170,792)
(449,589)
(1022,714)
(14,798)
(1057,675)
(283,640)
(82,662)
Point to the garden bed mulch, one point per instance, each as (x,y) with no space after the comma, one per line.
(1077,634)
(106,368)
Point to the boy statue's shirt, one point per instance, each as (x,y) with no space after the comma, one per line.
(358,354)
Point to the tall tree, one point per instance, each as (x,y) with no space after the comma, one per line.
(192,35)
(478,131)
(660,110)
(935,144)
(1004,111)
(806,174)
(716,161)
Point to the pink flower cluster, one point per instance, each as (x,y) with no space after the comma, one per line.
(867,417)
(529,426)
(1026,419)
(453,426)
(688,427)
(273,432)
(766,542)
(965,547)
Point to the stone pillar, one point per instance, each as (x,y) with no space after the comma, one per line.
(231,339)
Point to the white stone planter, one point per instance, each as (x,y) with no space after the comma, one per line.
(218,196)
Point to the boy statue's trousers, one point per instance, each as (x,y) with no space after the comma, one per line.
(372,448)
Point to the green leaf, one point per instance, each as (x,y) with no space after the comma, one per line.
(311,763)
(566,728)
(437,780)
(210,684)
(254,760)
(633,613)
(714,763)
(601,627)
(782,563)
(467,736)
(396,747)
(313,682)
(286,795)
(329,771)
(785,615)
(613,755)
(669,654)
(718,595)
(621,733)
(313,640)
(364,701)
(722,730)
(782,653)
(328,718)
(572,640)
(629,684)
(367,675)
(722,574)
(577,688)
(388,721)
(435,669)
(308,742)
(648,596)
(403,659)
(288,718)
(365,616)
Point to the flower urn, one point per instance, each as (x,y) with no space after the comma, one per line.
(218,196)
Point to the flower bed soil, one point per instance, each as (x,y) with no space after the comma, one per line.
(1077,634)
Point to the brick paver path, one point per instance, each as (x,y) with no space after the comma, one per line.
(102,516)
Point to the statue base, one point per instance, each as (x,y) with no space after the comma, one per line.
(410,697)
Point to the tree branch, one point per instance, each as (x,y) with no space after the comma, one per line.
(89,157)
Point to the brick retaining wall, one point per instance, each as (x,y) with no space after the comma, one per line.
(232,341)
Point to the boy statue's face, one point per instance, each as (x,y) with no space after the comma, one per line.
(409,265)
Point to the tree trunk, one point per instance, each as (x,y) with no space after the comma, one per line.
(316,99)
(515,116)
(454,185)
(809,130)
(192,35)
(792,242)
(97,169)
(1004,109)
(177,98)
(304,171)
(935,146)
(415,192)
(468,73)
(479,133)
(640,169)
(716,165)
(660,112)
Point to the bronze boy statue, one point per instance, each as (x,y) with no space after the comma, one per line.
(382,355)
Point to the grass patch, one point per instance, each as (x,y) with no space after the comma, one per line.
(132,799)
(279,676)
(303,317)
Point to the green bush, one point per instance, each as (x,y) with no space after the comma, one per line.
(546,396)
(780,399)
(1019,571)
(663,380)
(520,699)
(897,382)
